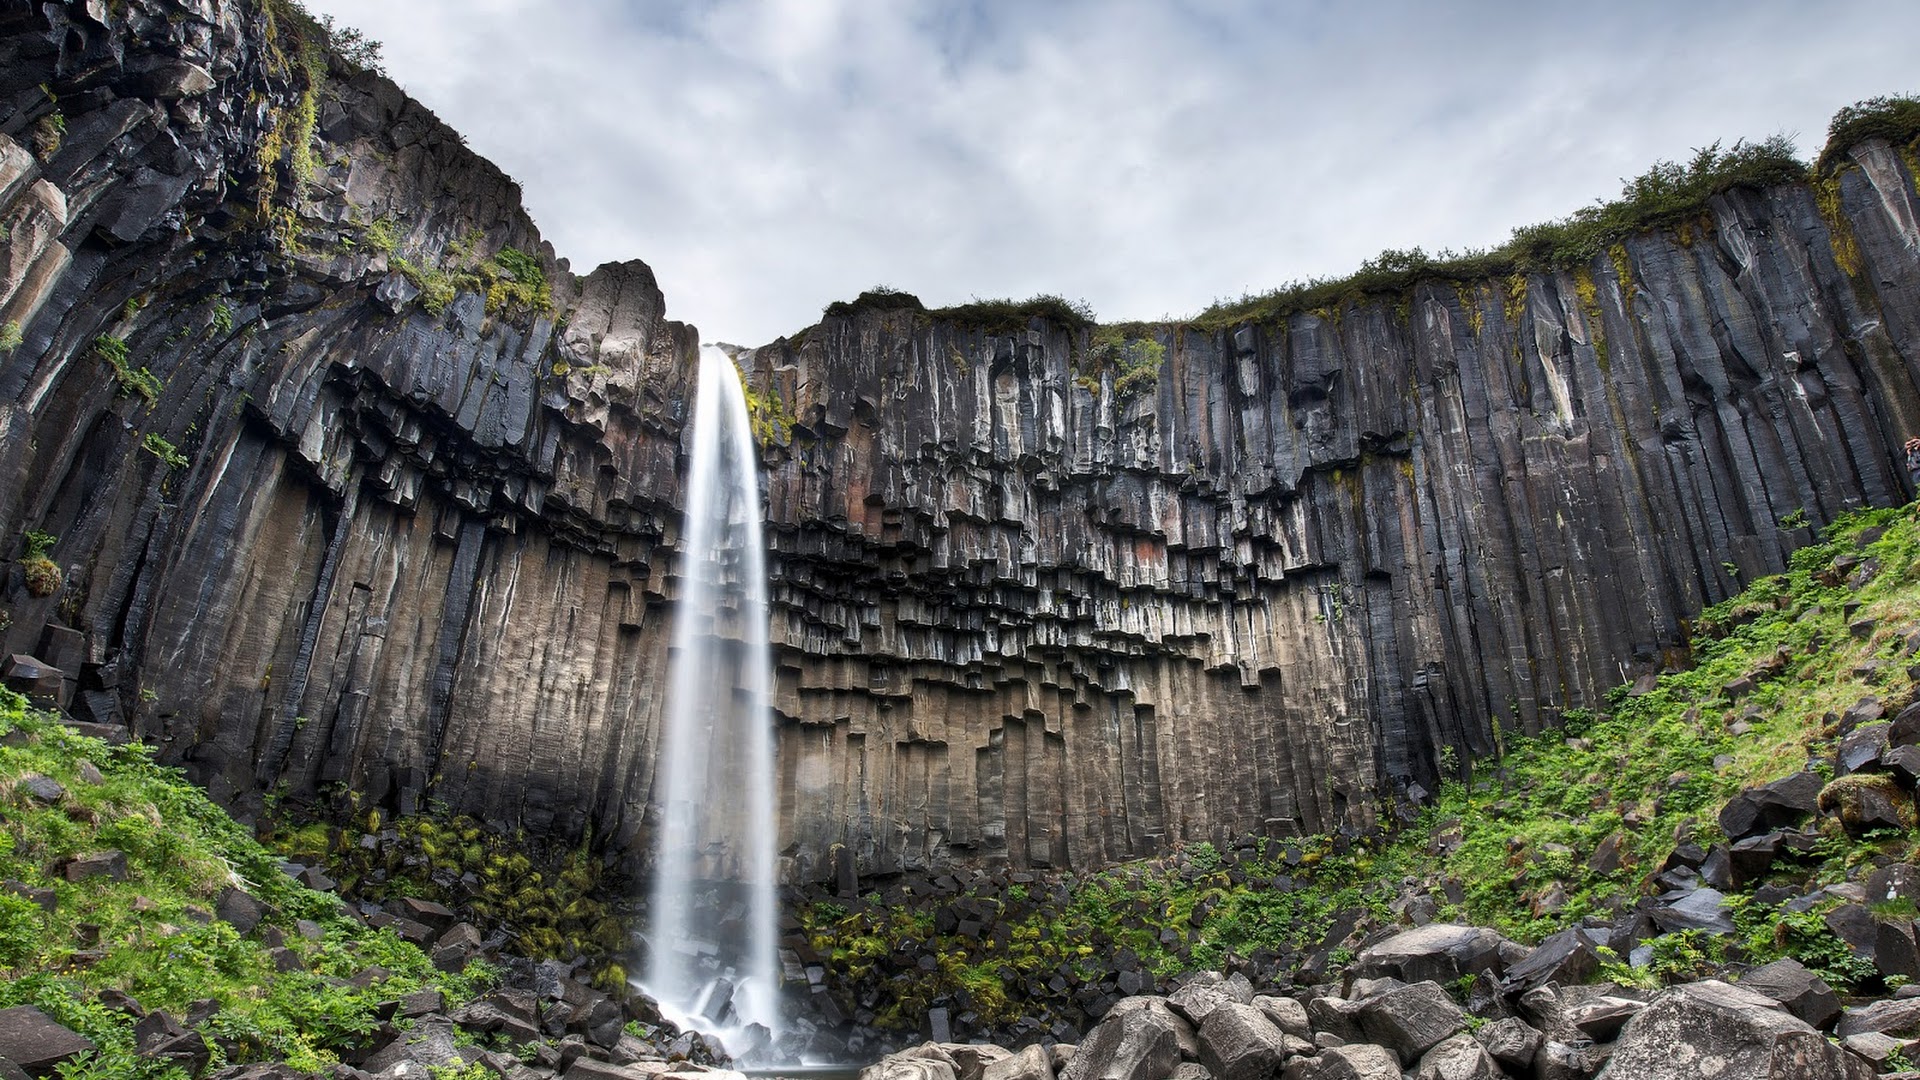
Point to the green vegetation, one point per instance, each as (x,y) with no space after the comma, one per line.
(1566,824)
(550,899)
(11,337)
(878,298)
(131,380)
(1667,194)
(382,234)
(1134,358)
(48,132)
(984,316)
(149,931)
(43,575)
(1895,119)
(164,450)
(222,320)
(511,280)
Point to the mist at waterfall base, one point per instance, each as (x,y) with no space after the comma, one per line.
(711,943)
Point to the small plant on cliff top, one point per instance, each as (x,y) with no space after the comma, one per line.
(1894,118)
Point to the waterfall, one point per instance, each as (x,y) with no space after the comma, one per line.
(712,957)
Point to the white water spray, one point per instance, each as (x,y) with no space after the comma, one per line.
(712,962)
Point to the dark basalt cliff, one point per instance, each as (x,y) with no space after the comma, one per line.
(379,525)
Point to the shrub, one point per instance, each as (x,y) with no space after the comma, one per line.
(1893,118)
(164,450)
(43,575)
(878,298)
(11,337)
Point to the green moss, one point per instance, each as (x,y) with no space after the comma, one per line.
(164,450)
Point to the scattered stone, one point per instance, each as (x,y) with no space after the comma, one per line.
(1512,1042)
(1361,1062)
(1713,1029)
(240,910)
(111,865)
(1440,952)
(1797,989)
(1129,1044)
(1238,1042)
(1411,1020)
(1458,1058)
(36,1043)
(1566,958)
(43,788)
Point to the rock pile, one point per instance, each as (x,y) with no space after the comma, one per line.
(1395,1020)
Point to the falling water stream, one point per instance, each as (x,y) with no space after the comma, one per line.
(712,961)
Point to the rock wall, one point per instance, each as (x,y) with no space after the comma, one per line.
(1026,617)
(344,519)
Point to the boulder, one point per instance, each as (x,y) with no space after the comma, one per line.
(1127,1044)
(1287,1014)
(1894,1016)
(1411,1020)
(1512,1042)
(970,1060)
(111,865)
(1693,909)
(1459,1057)
(1757,810)
(1714,1029)
(1360,1062)
(34,1041)
(1566,958)
(241,910)
(1183,1032)
(1198,998)
(1441,952)
(1031,1063)
(1797,989)
(1238,1042)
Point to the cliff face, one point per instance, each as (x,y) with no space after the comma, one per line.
(1025,616)
(348,512)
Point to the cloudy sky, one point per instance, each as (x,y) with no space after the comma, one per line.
(766,157)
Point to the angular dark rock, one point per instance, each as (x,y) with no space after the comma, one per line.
(1512,1042)
(1566,958)
(1411,1020)
(1892,1016)
(1797,989)
(1694,909)
(240,909)
(111,865)
(35,1042)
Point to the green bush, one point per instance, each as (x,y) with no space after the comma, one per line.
(1893,118)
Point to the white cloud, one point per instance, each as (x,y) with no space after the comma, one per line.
(768,156)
